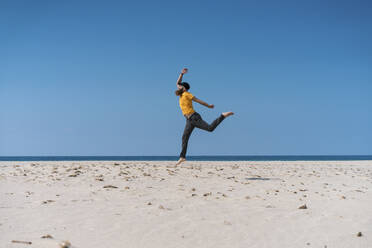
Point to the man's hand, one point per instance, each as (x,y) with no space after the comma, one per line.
(184,70)
(210,106)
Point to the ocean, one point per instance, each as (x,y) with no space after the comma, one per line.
(192,158)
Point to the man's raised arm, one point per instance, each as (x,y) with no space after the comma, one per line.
(184,71)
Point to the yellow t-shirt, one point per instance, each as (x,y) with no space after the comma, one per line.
(186,103)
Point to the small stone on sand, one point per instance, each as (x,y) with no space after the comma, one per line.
(303,207)
(65,244)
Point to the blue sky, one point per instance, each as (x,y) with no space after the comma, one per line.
(98,77)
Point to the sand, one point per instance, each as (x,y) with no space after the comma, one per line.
(120,204)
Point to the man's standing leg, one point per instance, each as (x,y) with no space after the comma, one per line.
(185,140)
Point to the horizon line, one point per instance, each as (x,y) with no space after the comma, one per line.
(269,155)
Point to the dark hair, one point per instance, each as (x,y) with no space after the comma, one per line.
(186,85)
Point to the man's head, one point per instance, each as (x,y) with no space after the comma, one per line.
(184,87)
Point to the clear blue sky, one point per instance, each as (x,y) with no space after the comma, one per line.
(98,77)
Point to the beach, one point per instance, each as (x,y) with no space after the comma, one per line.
(116,204)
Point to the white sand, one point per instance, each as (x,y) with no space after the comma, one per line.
(200,204)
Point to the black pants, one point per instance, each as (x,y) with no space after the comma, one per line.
(195,120)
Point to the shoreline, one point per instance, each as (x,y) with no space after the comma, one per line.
(194,158)
(187,161)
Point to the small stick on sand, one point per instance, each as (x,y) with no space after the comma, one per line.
(22,242)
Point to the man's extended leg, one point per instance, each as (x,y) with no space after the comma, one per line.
(200,123)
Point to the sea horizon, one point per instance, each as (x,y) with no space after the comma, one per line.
(193,158)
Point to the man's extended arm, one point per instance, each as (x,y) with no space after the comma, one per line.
(202,102)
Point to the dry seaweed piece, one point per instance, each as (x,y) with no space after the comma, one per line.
(110,187)
(48,236)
